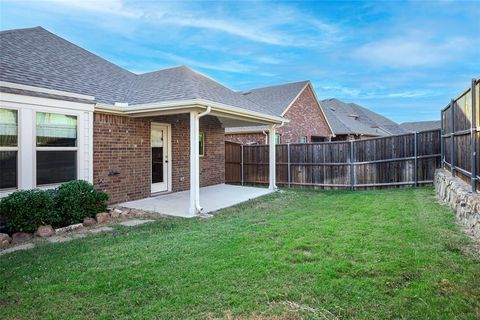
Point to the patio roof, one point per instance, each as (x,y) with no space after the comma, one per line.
(213,198)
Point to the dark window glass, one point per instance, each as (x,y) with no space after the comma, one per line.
(56,130)
(56,166)
(157,164)
(318,139)
(8,169)
(201,144)
(8,128)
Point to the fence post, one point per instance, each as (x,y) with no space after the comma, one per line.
(442,141)
(241,161)
(473,139)
(452,138)
(288,162)
(415,154)
(352,168)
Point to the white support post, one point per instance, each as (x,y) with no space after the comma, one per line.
(197,164)
(193,161)
(272,162)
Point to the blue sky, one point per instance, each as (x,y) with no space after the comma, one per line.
(404,59)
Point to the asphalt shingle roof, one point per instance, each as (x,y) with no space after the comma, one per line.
(350,118)
(276,98)
(421,125)
(39,58)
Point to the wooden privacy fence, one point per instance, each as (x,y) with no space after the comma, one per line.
(460,135)
(407,159)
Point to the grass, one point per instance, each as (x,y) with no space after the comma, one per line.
(291,255)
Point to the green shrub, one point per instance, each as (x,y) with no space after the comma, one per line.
(76,200)
(24,211)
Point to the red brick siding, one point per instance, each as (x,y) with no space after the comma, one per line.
(306,119)
(244,138)
(123,144)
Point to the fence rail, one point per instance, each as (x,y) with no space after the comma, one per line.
(460,135)
(407,159)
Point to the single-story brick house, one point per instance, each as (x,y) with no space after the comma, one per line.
(66,113)
(296,102)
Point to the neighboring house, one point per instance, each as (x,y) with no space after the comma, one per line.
(350,121)
(66,114)
(297,103)
(418,126)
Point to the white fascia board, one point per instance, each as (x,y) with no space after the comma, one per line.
(247,131)
(19,99)
(45,90)
(188,104)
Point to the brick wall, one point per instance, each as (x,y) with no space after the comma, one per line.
(122,144)
(306,119)
(244,138)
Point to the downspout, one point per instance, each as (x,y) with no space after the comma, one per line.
(266,136)
(276,127)
(197,163)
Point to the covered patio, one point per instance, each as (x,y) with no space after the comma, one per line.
(214,198)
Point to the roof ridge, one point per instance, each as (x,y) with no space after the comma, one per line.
(276,85)
(160,70)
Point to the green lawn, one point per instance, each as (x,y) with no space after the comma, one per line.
(295,254)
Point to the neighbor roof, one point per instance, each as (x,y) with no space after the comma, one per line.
(276,98)
(418,126)
(39,58)
(350,118)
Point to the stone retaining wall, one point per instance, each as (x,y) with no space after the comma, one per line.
(457,194)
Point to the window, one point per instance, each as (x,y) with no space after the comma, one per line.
(201,146)
(56,148)
(318,139)
(278,139)
(8,149)
(303,139)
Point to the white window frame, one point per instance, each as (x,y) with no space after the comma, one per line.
(17,149)
(304,138)
(26,107)
(279,136)
(77,173)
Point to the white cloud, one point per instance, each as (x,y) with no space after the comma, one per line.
(271,29)
(230,66)
(113,7)
(411,51)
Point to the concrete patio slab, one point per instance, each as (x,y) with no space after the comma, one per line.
(212,198)
(134,222)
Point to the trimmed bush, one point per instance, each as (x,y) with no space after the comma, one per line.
(24,211)
(78,199)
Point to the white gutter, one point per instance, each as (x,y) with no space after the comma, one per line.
(184,104)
